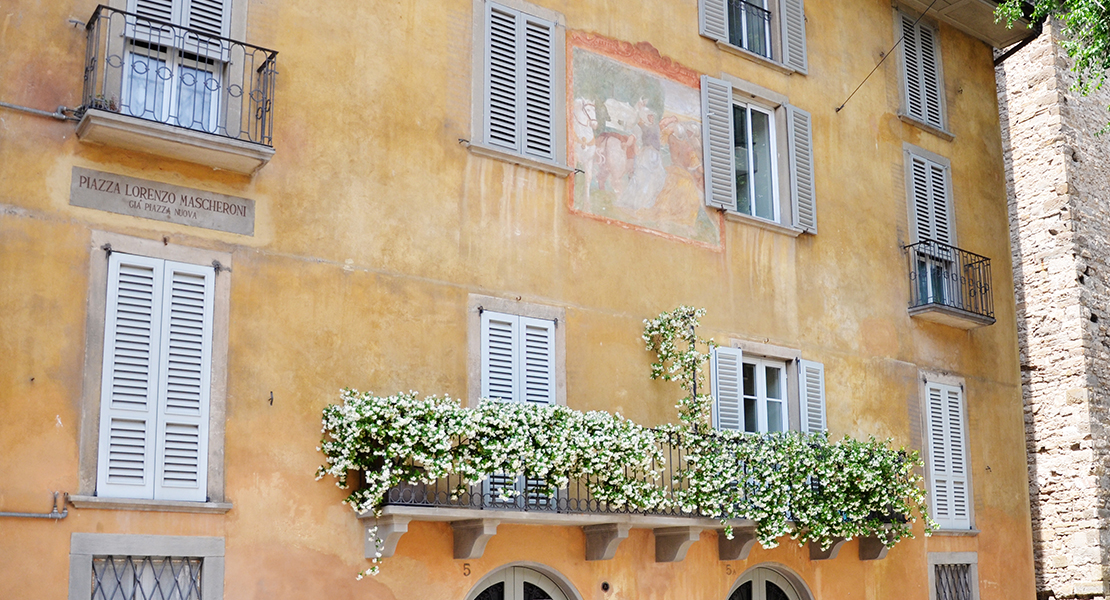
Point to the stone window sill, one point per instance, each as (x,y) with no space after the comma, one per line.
(941,133)
(216,151)
(956,532)
(97,502)
(554,168)
(762,223)
(756,58)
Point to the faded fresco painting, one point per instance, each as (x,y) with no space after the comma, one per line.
(636,137)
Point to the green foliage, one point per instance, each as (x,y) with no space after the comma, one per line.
(1086,25)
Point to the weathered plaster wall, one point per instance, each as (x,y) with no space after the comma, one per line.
(1059,187)
(374,224)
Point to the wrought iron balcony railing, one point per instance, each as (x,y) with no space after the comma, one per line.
(749,27)
(184,77)
(955,282)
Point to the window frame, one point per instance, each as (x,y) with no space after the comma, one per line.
(89,444)
(478,144)
(777,28)
(942,129)
(498,574)
(797,588)
(476,304)
(940,378)
(971,559)
(791,359)
(776,184)
(83,547)
(760,366)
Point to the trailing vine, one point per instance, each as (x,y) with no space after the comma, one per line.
(789,484)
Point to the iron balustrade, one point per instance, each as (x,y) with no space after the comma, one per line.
(158,71)
(943,275)
(749,27)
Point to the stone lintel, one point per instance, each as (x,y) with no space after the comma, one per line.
(671,543)
(738,547)
(471,536)
(816,553)
(602,540)
(390,530)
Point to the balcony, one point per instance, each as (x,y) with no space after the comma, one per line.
(176,92)
(949,285)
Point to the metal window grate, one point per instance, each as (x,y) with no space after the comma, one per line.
(146,578)
(953,582)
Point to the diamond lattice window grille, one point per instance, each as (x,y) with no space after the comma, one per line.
(953,582)
(146,578)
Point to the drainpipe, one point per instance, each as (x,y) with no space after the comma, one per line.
(53,514)
(59,113)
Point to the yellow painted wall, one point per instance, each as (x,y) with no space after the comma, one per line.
(374,224)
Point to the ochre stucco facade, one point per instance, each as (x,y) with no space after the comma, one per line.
(373,227)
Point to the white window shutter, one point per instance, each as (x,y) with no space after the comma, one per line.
(793,21)
(502,90)
(727,386)
(931,202)
(940,204)
(948,456)
(185,383)
(537,372)
(811,386)
(803,194)
(210,17)
(500,362)
(129,386)
(713,19)
(168,11)
(930,75)
(717,143)
(538,82)
(912,83)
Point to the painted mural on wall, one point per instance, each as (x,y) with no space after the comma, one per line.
(636,137)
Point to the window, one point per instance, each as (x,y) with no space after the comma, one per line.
(929,192)
(922,81)
(518,583)
(157,567)
(759,395)
(953,576)
(743,149)
(155,377)
(521,86)
(771,29)
(762,583)
(173,74)
(949,484)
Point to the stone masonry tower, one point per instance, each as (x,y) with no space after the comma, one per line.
(1058,180)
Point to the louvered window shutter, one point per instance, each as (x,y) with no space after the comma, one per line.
(185,381)
(520,82)
(211,17)
(727,386)
(717,143)
(713,19)
(537,373)
(129,387)
(793,21)
(922,72)
(168,11)
(811,386)
(932,206)
(948,457)
(500,360)
(803,194)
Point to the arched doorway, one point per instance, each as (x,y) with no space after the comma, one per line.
(518,583)
(762,583)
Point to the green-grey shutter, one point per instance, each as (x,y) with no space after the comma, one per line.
(129,378)
(803,194)
(537,362)
(793,21)
(211,17)
(727,386)
(931,205)
(502,93)
(922,85)
(811,387)
(948,456)
(713,19)
(500,360)
(717,143)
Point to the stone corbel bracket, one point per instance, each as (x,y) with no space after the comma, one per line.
(738,548)
(602,540)
(671,543)
(816,553)
(390,530)
(471,536)
(873,548)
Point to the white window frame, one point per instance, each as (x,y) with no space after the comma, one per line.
(93,377)
(84,547)
(794,366)
(940,127)
(749,108)
(788,581)
(971,559)
(478,143)
(477,304)
(944,379)
(787,20)
(550,580)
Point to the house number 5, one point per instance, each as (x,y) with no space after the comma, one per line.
(466,569)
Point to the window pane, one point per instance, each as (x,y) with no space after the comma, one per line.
(749,379)
(736,22)
(751,415)
(493,592)
(761,171)
(744,592)
(759,20)
(145,86)
(774,592)
(740,153)
(774,383)
(194,100)
(774,416)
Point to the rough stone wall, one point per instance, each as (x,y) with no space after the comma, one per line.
(1058,179)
